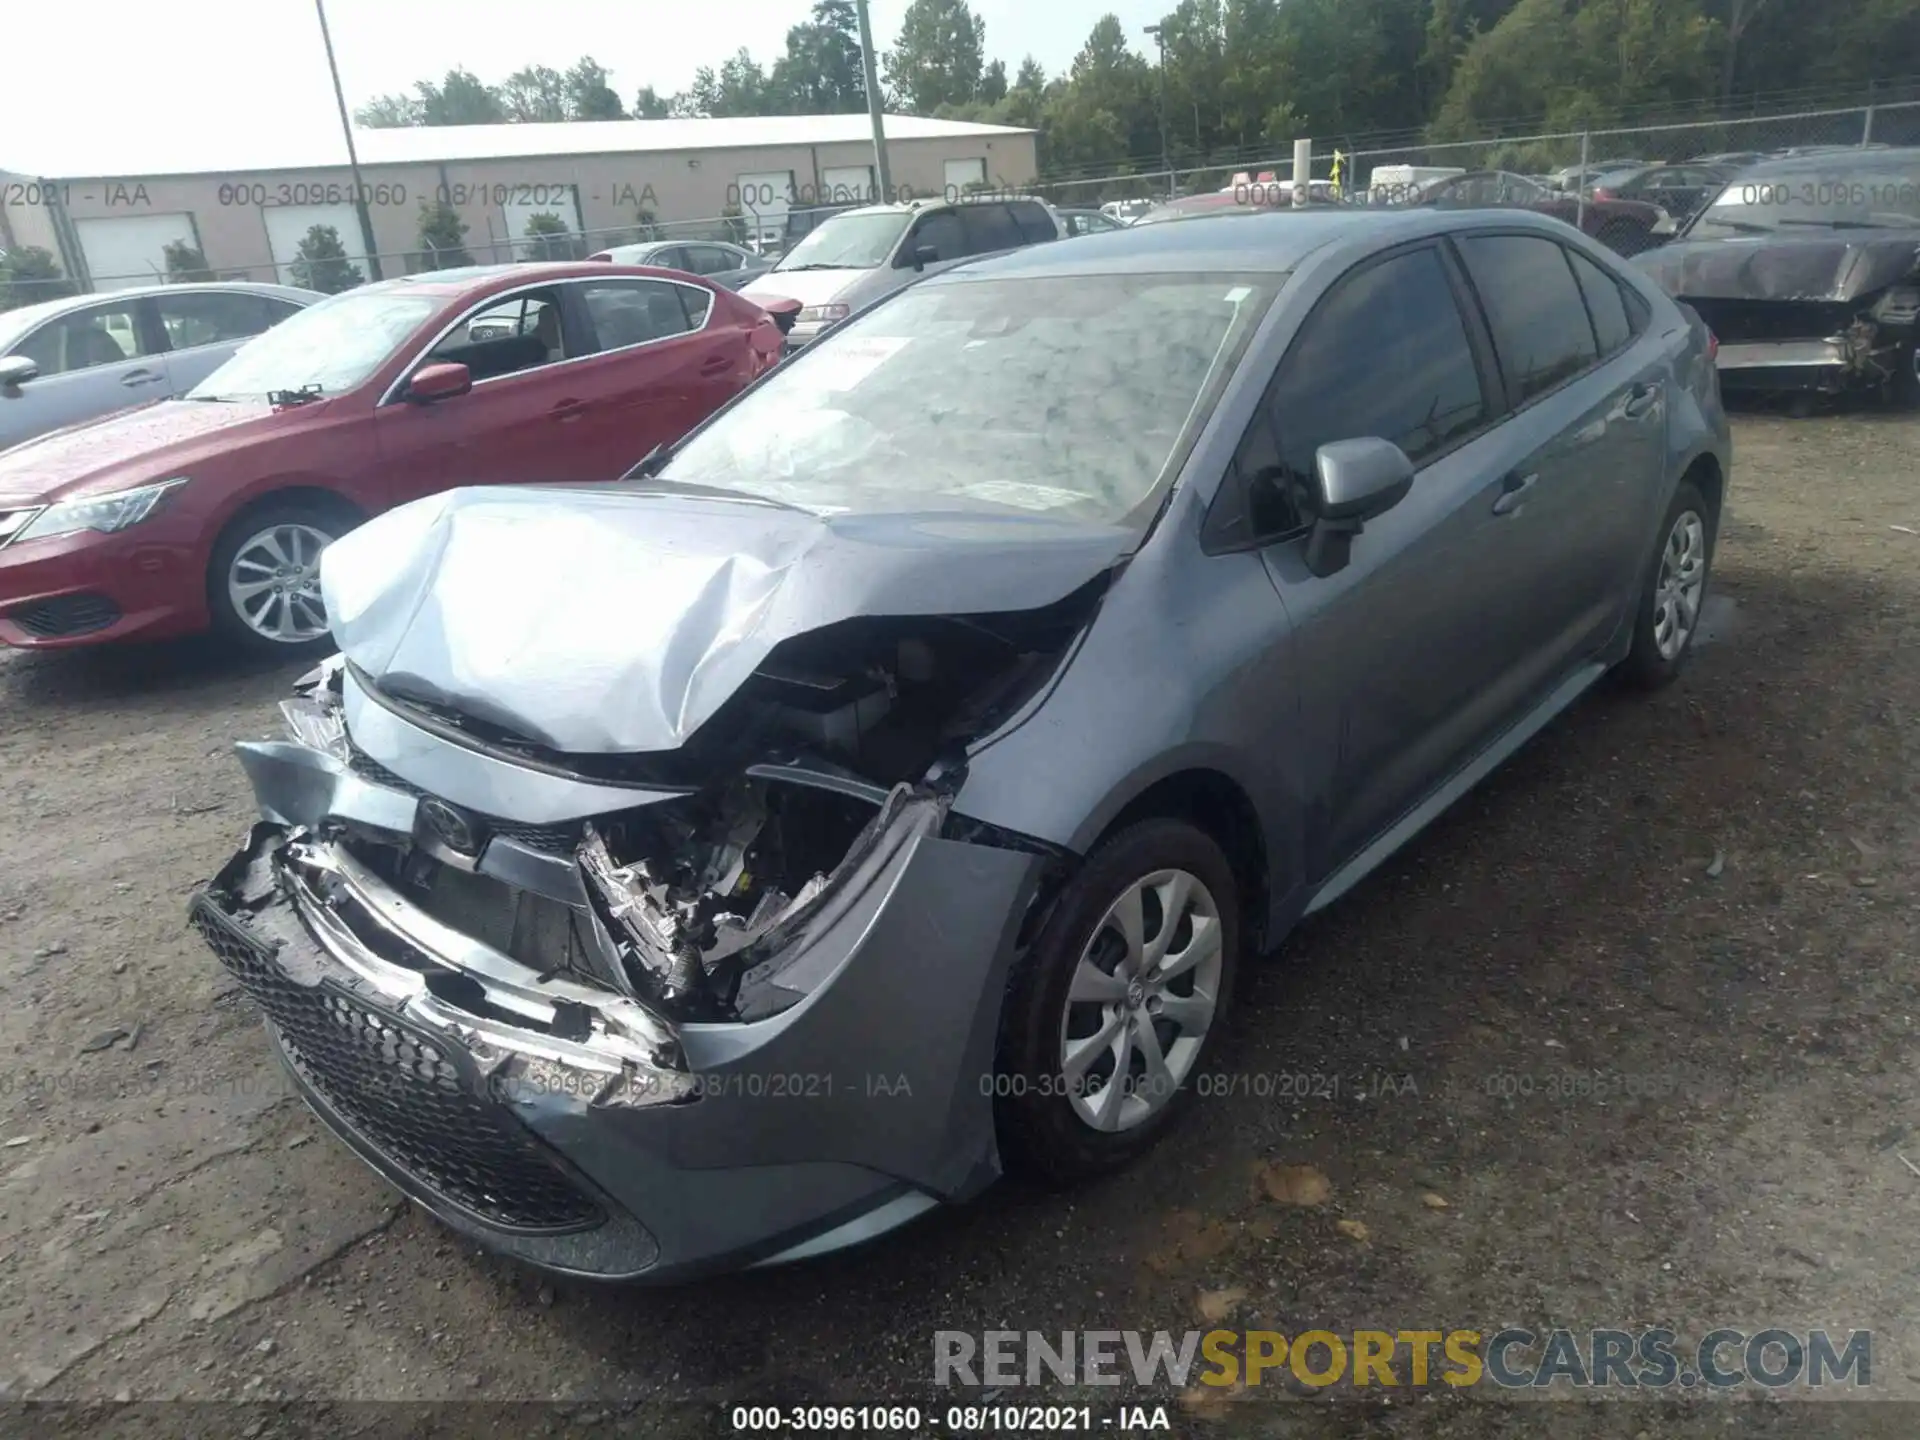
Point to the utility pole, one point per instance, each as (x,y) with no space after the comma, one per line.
(353,158)
(871,71)
(1166,158)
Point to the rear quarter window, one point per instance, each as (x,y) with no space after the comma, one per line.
(1034,222)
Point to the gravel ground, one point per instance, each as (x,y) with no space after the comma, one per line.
(1706,898)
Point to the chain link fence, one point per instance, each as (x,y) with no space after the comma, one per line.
(1559,172)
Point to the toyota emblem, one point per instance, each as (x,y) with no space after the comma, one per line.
(450,825)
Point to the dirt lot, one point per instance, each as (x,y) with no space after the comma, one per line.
(1707,899)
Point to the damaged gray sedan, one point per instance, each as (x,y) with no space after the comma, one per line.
(727,865)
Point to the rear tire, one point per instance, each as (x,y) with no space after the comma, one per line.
(263,584)
(1674,592)
(1134,968)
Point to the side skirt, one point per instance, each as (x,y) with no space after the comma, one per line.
(1464,779)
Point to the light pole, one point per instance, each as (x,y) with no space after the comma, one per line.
(1166,160)
(353,158)
(870,72)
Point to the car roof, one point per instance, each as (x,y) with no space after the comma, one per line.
(1249,241)
(1824,159)
(471,278)
(25,315)
(912,207)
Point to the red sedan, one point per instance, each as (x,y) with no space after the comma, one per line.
(211,511)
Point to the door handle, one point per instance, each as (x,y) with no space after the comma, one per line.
(1641,399)
(1513,492)
(139,377)
(567,410)
(718,365)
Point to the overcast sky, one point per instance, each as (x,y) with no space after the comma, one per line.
(181,65)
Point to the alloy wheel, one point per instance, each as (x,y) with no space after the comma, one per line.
(1683,576)
(274,583)
(1142,1000)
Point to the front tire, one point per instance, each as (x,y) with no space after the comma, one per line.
(1112,1011)
(263,582)
(1670,604)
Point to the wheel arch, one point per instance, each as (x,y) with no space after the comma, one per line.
(1220,807)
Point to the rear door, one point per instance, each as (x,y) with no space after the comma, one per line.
(204,327)
(92,362)
(665,359)
(1588,415)
(522,420)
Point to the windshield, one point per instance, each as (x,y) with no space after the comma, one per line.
(327,348)
(848,242)
(1064,396)
(1849,196)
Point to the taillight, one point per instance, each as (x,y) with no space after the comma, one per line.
(1713,346)
(1600,192)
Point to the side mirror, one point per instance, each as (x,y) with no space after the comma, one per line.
(784,313)
(1354,481)
(925,255)
(439,382)
(16,370)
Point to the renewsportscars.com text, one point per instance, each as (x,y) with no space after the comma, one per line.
(1510,1359)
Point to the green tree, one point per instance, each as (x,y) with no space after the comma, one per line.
(185,263)
(443,235)
(462,98)
(389,112)
(738,87)
(938,57)
(321,263)
(30,274)
(536,93)
(590,93)
(821,74)
(649,104)
(551,238)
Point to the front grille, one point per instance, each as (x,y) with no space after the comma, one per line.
(400,1088)
(66,615)
(549,839)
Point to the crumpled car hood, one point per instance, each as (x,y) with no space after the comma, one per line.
(619,619)
(1824,267)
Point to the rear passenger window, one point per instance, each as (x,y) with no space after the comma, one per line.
(989,227)
(1385,354)
(1540,326)
(1604,303)
(1034,222)
(634,312)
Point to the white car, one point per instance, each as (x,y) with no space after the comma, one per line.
(63,362)
(863,255)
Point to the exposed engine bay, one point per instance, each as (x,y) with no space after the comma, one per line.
(845,744)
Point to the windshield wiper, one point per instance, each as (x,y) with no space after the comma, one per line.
(722,492)
(214,399)
(1745,227)
(1840,224)
(815,265)
(651,464)
(301,396)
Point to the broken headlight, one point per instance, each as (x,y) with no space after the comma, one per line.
(1899,306)
(313,715)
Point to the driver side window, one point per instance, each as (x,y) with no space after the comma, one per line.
(942,231)
(519,333)
(1384,355)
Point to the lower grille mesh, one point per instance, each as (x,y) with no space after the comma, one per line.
(397,1086)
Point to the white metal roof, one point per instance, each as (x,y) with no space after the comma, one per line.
(132,152)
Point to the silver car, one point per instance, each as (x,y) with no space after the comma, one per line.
(63,362)
(725,265)
(860,256)
(882,787)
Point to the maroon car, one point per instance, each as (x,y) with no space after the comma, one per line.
(1628,226)
(212,510)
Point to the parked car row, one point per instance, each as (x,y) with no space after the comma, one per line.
(211,509)
(784,772)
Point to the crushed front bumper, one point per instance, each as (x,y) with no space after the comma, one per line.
(574,1128)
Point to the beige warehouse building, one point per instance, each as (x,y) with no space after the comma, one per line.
(110,218)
